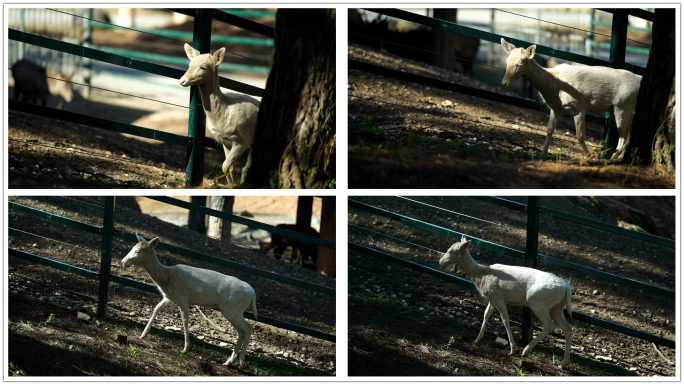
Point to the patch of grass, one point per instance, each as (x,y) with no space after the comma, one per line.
(177,183)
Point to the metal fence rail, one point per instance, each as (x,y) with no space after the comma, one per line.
(531,255)
(107,232)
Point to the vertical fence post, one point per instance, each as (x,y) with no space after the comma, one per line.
(618,47)
(87,40)
(201,39)
(106,256)
(589,41)
(531,248)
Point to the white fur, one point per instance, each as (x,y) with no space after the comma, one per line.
(186,286)
(545,293)
(231,117)
(577,90)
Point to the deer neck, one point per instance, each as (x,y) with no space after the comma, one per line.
(540,78)
(472,269)
(158,272)
(212,96)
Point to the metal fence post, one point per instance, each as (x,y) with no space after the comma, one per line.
(201,39)
(87,42)
(531,248)
(106,256)
(618,47)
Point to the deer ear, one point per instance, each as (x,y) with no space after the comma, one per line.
(218,56)
(140,238)
(154,242)
(467,244)
(507,47)
(190,51)
(530,51)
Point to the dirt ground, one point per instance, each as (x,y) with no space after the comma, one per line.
(430,344)
(404,135)
(276,300)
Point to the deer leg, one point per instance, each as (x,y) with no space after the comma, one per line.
(507,323)
(185,317)
(488,312)
(232,155)
(562,323)
(162,304)
(579,132)
(623,119)
(543,315)
(553,122)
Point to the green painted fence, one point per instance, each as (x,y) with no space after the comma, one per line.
(533,210)
(108,232)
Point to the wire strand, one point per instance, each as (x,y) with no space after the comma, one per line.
(56,241)
(391,237)
(566,26)
(102,89)
(81,202)
(461,214)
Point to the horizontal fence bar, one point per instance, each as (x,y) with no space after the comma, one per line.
(231,19)
(623,329)
(640,13)
(608,227)
(435,228)
(502,202)
(458,88)
(225,263)
(120,60)
(178,60)
(244,221)
(98,122)
(188,36)
(648,288)
(55,218)
(468,284)
(630,49)
(262,319)
(52,263)
(629,27)
(410,264)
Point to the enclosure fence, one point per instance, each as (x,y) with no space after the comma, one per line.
(530,256)
(195,141)
(108,232)
(617,60)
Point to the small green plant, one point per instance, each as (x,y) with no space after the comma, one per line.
(521,373)
(214,171)
(181,356)
(146,181)
(132,351)
(178,182)
(52,316)
(451,341)
(331,184)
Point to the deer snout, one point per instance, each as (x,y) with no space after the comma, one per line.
(184,81)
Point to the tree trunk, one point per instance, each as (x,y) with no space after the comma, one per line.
(294,145)
(326,256)
(443,42)
(652,138)
(219,228)
(196,219)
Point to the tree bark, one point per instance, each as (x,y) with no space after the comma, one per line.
(196,219)
(219,228)
(442,41)
(326,256)
(294,145)
(652,138)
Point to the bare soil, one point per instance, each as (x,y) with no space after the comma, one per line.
(404,135)
(277,300)
(404,323)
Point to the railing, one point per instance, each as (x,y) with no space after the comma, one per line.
(617,60)
(195,141)
(108,232)
(533,209)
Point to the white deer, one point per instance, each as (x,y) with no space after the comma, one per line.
(544,293)
(186,286)
(231,117)
(577,90)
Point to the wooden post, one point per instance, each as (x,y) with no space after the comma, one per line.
(531,250)
(326,256)
(106,256)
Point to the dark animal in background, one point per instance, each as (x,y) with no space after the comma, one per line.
(466,51)
(33,82)
(306,253)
